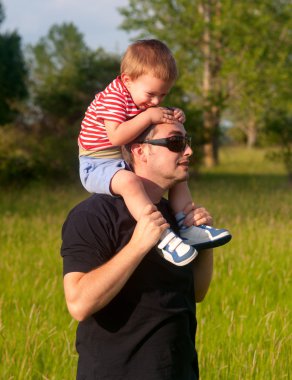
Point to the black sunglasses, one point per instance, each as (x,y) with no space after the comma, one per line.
(173,143)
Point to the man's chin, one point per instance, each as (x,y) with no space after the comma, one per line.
(181,178)
(185,176)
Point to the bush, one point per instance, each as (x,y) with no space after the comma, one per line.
(26,155)
(278,130)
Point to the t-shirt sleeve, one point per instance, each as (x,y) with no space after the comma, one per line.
(87,242)
(113,107)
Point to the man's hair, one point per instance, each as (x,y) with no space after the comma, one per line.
(149,57)
(127,149)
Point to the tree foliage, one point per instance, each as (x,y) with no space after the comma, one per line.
(232,55)
(65,75)
(234,59)
(279,131)
(260,76)
(12,74)
(182,26)
(2,16)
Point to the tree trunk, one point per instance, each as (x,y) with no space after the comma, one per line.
(211,82)
(211,127)
(251,134)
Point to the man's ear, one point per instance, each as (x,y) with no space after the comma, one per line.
(138,152)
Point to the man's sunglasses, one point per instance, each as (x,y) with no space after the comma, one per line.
(173,143)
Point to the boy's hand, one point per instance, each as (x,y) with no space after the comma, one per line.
(179,115)
(159,115)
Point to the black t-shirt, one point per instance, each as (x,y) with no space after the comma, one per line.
(147,332)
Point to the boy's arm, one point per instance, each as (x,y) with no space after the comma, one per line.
(123,133)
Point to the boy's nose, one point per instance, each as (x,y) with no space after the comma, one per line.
(155,100)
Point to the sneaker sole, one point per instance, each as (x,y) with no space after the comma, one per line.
(169,258)
(213,243)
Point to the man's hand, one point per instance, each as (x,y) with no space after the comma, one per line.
(148,229)
(196,215)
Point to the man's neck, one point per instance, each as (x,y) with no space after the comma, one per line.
(154,191)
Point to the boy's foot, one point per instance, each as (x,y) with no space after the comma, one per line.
(173,249)
(204,237)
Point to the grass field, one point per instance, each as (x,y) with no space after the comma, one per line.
(244,325)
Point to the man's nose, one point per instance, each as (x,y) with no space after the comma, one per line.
(188,151)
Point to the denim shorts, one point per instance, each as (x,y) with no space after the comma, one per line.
(96,173)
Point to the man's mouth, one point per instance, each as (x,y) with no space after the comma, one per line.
(183,163)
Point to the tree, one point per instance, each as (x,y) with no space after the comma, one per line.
(13,74)
(66,74)
(64,77)
(260,78)
(2,15)
(194,37)
(278,128)
(215,42)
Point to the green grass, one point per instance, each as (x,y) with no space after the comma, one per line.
(244,324)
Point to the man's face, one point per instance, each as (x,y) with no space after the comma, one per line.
(164,166)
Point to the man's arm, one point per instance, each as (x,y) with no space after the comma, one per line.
(203,271)
(203,264)
(86,293)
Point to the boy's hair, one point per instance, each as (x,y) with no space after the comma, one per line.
(149,56)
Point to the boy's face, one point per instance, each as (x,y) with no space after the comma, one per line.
(147,90)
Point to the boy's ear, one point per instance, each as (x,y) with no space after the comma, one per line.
(126,79)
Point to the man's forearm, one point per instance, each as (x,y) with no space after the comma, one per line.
(86,293)
(203,271)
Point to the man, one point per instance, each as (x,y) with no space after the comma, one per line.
(136,310)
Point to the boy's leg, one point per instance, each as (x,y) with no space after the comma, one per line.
(201,237)
(126,184)
(179,196)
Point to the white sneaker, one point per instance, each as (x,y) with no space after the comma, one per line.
(173,249)
(204,237)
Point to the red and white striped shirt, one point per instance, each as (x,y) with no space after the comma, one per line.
(114,104)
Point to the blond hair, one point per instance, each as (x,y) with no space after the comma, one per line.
(149,57)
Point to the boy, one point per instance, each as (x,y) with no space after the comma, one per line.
(115,117)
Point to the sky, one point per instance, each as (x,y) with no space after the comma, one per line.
(97,20)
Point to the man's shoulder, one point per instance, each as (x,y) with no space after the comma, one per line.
(99,212)
(97,202)
(105,207)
